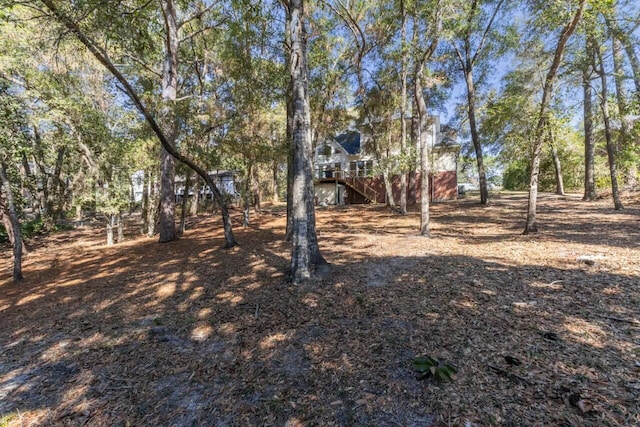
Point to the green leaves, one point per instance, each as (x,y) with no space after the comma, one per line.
(430,367)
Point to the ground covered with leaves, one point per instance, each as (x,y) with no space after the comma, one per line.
(542,329)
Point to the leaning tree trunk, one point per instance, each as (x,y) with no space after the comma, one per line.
(568,29)
(102,56)
(14,228)
(589,144)
(305,253)
(611,151)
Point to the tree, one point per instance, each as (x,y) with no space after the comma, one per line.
(15,232)
(567,31)
(604,105)
(427,21)
(470,44)
(305,252)
(12,136)
(404,75)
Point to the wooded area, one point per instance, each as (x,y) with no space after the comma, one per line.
(170,144)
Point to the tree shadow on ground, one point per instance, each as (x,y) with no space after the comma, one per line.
(187,334)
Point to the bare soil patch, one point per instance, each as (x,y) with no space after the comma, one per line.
(188,334)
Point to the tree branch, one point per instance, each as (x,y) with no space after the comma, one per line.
(197,14)
(486,31)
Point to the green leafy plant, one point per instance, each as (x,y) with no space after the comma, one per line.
(430,367)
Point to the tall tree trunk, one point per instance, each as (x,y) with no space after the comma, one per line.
(167,223)
(57,188)
(468,59)
(424,120)
(255,189)
(388,189)
(558,169)
(185,204)
(167,213)
(195,203)
(423,134)
(120,224)
(289,130)
(403,111)
(305,253)
(589,143)
(568,29)
(274,183)
(475,138)
(246,208)
(152,212)
(15,223)
(144,211)
(611,151)
(111,223)
(102,56)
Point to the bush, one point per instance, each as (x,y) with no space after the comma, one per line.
(32,228)
(516,176)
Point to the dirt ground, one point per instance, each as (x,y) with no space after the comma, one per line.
(188,334)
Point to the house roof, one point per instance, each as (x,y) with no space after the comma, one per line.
(350,141)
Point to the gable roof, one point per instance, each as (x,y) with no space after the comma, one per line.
(350,141)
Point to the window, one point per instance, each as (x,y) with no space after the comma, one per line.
(325,150)
(368,168)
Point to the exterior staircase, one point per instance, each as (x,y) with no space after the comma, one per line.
(354,183)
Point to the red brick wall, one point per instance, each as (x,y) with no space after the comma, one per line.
(444,186)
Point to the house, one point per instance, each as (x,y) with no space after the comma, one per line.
(225,180)
(345,172)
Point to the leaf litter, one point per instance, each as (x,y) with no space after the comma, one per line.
(186,333)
